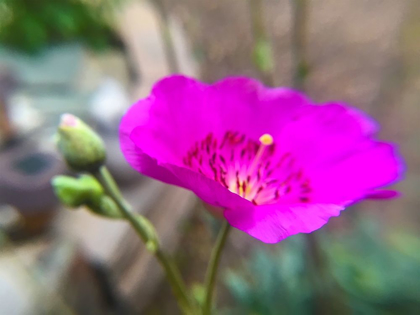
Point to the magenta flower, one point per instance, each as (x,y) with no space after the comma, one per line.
(275,163)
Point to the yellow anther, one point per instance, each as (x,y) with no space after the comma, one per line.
(266,139)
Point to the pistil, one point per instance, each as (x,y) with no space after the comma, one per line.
(265,141)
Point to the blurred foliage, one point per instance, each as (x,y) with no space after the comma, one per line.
(263,56)
(379,276)
(30,25)
(363,274)
(272,283)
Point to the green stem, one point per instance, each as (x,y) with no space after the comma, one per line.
(213,266)
(142,228)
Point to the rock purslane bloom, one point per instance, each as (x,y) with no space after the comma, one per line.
(273,161)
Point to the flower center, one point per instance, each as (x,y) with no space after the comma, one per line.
(249,168)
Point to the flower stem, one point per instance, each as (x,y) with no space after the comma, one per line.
(213,266)
(143,228)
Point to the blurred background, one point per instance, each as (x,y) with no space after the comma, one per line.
(93,58)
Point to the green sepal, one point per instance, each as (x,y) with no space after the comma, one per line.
(105,206)
(85,191)
(151,238)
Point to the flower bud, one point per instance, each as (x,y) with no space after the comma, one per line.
(85,191)
(81,147)
(75,192)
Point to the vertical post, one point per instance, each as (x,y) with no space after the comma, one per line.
(262,54)
(316,263)
(166,35)
(6,129)
(7,84)
(298,42)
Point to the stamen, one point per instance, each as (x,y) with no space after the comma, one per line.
(266,140)
(250,168)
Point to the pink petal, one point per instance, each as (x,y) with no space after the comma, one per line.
(330,147)
(180,111)
(383,194)
(318,135)
(333,145)
(135,156)
(275,222)
(357,175)
(246,106)
(207,189)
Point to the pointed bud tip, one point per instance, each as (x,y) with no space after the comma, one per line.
(68,120)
